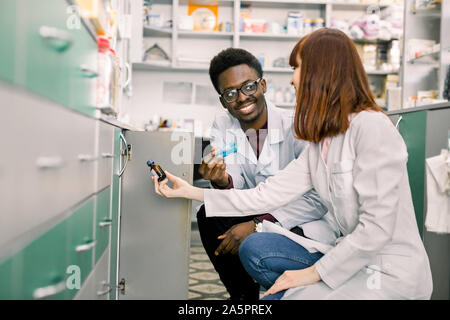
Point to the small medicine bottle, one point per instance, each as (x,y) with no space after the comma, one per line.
(157,169)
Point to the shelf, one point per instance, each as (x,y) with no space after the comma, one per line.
(204,34)
(381,73)
(275,3)
(168,67)
(285,105)
(431,13)
(373,41)
(270,36)
(277,70)
(149,66)
(339,5)
(157,32)
(429,58)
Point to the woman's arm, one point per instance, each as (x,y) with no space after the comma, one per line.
(284,187)
(180,189)
(287,185)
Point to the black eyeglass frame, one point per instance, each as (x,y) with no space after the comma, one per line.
(257,81)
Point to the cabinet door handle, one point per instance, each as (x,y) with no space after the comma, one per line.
(88,72)
(107,155)
(58,39)
(124,141)
(85,247)
(49,291)
(49,162)
(86,157)
(398,122)
(105,223)
(107,109)
(107,285)
(128,81)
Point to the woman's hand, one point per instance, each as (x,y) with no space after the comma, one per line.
(294,278)
(180,188)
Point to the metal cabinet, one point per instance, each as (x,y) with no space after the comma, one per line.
(154,232)
(40,269)
(412,127)
(426,131)
(51,164)
(49,58)
(97,285)
(7,36)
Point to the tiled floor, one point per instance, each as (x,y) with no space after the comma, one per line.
(204,282)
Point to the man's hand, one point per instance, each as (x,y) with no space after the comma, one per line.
(234,236)
(214,170)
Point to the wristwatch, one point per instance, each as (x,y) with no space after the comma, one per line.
(258,225)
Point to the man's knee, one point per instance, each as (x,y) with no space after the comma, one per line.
(201,213)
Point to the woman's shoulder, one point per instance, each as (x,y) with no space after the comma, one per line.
(374,128)
(370,116)
(371,121)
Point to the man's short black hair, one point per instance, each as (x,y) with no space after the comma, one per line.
(229,58)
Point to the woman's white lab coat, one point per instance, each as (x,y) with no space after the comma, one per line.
(365,186)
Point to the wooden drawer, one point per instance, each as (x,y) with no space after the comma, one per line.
(38,270)
(80,234)
(50,165)
(105,155)
(53,60)
(41,269)
(103,222)
(96,286)
(7,36)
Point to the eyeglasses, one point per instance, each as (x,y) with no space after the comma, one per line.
(248,89)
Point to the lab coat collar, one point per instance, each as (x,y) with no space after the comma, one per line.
(274,124)
(275,135)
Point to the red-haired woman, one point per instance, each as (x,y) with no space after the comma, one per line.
(356,162)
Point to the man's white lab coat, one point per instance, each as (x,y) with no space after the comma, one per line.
(279,149)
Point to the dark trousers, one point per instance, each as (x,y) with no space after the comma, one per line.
(237,281)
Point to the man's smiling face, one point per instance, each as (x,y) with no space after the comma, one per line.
(246,109)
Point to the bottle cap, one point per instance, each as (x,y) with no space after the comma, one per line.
(103,43)
(150,162)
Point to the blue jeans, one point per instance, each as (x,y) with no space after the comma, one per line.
(265,256)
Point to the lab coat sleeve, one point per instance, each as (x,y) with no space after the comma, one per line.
(284,187)
(380,164)
(303,210)
(233,168)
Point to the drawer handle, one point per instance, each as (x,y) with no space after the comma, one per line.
(107,285)
(86,157)
(49,162)
(128,81)
(107,109)
(85,247)
(88,72)
(124,141)
(107,155)
(105,223)
(49,291)
(398,122)
(60,40)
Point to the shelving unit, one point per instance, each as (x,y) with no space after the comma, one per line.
(427,71)
(186,45)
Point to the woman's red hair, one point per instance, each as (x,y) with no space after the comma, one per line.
(333,84)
